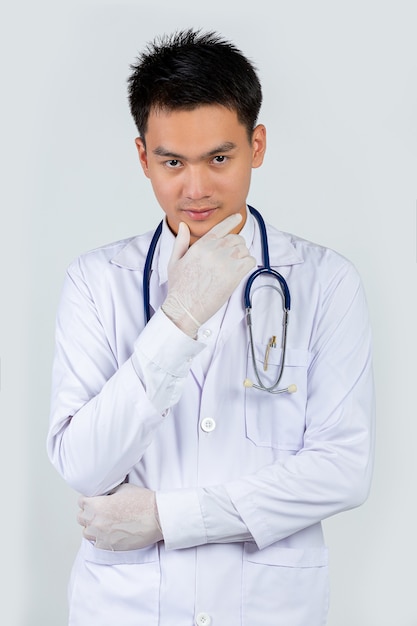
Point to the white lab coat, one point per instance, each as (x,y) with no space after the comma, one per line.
(284,462)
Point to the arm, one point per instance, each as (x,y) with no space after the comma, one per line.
(103,416)
(330,473)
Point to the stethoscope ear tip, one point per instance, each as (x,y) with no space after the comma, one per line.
(292,388)
(247,383)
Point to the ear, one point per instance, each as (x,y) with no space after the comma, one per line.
(258,145)
(143,158)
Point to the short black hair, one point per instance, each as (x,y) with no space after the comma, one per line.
(189,69)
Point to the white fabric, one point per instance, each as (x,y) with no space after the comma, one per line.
(271,468)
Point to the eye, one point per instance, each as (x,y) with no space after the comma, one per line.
(173,163)
(220,158)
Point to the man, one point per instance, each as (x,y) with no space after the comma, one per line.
(203,497)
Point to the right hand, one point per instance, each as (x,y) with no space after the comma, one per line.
(201,278)
(126,519)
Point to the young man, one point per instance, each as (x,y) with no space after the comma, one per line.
(203,497)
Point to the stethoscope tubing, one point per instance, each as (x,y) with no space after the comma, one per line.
(266,268)
(147,270)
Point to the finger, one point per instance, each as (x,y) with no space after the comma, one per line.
(87,514)
(224,227)
(248,263)
(181,244)
(89,534)
(85,517)
(240,251)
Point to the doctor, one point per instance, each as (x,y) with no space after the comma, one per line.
(202,500)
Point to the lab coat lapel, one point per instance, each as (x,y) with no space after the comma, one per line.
(282,250)
(234,316)
(157,292)
(197,373)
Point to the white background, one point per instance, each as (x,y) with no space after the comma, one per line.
(340,109)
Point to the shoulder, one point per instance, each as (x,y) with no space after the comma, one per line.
(316,264)
(129,253)
(307,251)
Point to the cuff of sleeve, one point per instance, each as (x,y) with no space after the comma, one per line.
(181,518)
(167,346)
(245,503)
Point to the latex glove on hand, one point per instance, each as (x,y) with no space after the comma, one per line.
(201,278)
(126,519)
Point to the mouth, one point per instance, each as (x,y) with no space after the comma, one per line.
(199,214)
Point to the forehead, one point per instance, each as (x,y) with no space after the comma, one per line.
(202,127)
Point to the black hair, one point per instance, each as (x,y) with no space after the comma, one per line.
(189,69)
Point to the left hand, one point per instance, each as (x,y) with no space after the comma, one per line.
(126,519)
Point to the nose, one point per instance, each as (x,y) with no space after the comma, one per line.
(196,183)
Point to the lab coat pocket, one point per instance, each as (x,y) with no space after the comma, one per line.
(277,420)
(284,586)
(109,588)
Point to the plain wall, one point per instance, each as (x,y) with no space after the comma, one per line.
(340,102)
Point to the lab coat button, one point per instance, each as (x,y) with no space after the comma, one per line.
(208,424)
(206,333)
(203,619)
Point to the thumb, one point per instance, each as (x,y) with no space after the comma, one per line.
(181,244)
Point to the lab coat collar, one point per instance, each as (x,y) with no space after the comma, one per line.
(282,251)
(133,254)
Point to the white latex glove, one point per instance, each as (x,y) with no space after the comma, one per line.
(201,278)
(126,519)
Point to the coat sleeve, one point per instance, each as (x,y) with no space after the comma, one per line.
(332,470)
(104,414)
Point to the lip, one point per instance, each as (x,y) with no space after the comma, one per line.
(199,214)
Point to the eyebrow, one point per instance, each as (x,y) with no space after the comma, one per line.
(223,148)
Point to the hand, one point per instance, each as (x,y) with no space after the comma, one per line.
(126,519)
(201,278)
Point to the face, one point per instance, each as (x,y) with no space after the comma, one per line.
(199,163)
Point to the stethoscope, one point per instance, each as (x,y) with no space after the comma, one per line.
(264,270)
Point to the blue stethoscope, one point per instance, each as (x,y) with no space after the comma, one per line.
(266,269)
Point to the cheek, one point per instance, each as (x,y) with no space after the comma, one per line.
(162,188)
(239,184)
